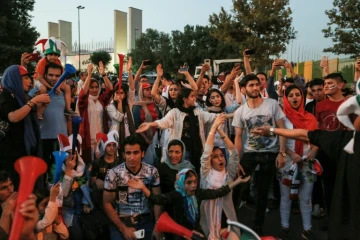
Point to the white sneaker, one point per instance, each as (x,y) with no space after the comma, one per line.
(317,211)
(267,210)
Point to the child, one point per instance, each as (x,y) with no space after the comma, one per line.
(50,226)
(186,197)
(214,175)
(52,52)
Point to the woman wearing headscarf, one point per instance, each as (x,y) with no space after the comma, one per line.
(91,107)
(16,108)
(298,175)
(120,108)
(174,162)
(186,197)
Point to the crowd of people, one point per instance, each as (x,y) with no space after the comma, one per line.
(198,149)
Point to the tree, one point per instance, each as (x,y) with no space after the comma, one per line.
(103,56)
(255,24)
(16,34)
(344,27)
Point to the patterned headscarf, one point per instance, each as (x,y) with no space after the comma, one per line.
(191,205)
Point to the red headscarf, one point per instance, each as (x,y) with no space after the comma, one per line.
(300,119)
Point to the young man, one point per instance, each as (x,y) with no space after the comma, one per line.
(132,207)
(82,78)
(6,188)
(257,150)
(317,89)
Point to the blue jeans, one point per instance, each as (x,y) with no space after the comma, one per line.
(148,226)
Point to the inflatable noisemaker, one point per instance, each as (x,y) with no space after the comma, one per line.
(69,69)
(59,160)
(167,225)
(76,120)
(29,169)
(121,66)
(246,232)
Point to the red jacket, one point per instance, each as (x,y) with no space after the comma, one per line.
(84,130)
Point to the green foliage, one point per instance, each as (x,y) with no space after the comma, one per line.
(256,24)
(344,27)
(16,34)
(192,46)
(103,56)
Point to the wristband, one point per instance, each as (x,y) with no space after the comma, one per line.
(210,133)
(103,75)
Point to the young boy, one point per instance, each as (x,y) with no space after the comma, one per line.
(52,52)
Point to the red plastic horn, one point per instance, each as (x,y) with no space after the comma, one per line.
(166,224)
(121,66)
(29,169)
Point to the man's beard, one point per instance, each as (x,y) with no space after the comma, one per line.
(248,94)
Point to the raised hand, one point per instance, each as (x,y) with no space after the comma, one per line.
(90,69)
(129,64)
(54,191)
(205,68)
(159,69)
(219,120)
(101,68)
(42,98)
(25,59)
(9,205)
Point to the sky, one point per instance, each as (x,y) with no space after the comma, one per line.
(309,19)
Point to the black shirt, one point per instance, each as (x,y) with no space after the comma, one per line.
(13,144)
(100,167)
(345,208)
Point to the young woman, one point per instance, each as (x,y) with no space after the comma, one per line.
(186,197)
(91,107)
(300,158)
(216,103)
(186,122)
(215,174)
(174,162)
(119,109)
(50,226)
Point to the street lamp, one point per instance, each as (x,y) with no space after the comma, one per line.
(79,7)
(136,29)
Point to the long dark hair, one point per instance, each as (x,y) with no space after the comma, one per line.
(184,93)
(292,87)
(209,104)
(125,88)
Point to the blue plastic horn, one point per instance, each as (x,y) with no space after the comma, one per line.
(76,120)
(69,69)
(60,157)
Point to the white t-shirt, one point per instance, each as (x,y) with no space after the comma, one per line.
(265,115)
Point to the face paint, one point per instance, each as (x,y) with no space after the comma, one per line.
(333,86)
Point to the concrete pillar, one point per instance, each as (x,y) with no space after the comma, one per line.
(120,33)
(135,22)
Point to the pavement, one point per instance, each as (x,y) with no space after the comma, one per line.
(272,226)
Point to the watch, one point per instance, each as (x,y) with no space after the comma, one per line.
(272,132)
(103,74)
(282,154)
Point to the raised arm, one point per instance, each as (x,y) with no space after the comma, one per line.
(297,134)
(230,78)
(155,89)
(288,66)
(107,82)
(204,69)
(130,76)
(237,88)
(139,72)
(191,80)
(324,64)
(247,63)
(88,78)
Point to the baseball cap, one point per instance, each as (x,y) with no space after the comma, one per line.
(146,85)
(23,71)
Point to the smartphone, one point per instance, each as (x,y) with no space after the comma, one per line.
(139,234)
(281,62)
(147,62)
(184,68)
(207,62)
(35,57)
(250,52)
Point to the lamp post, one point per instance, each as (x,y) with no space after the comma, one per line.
(136,29)
(79,7)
